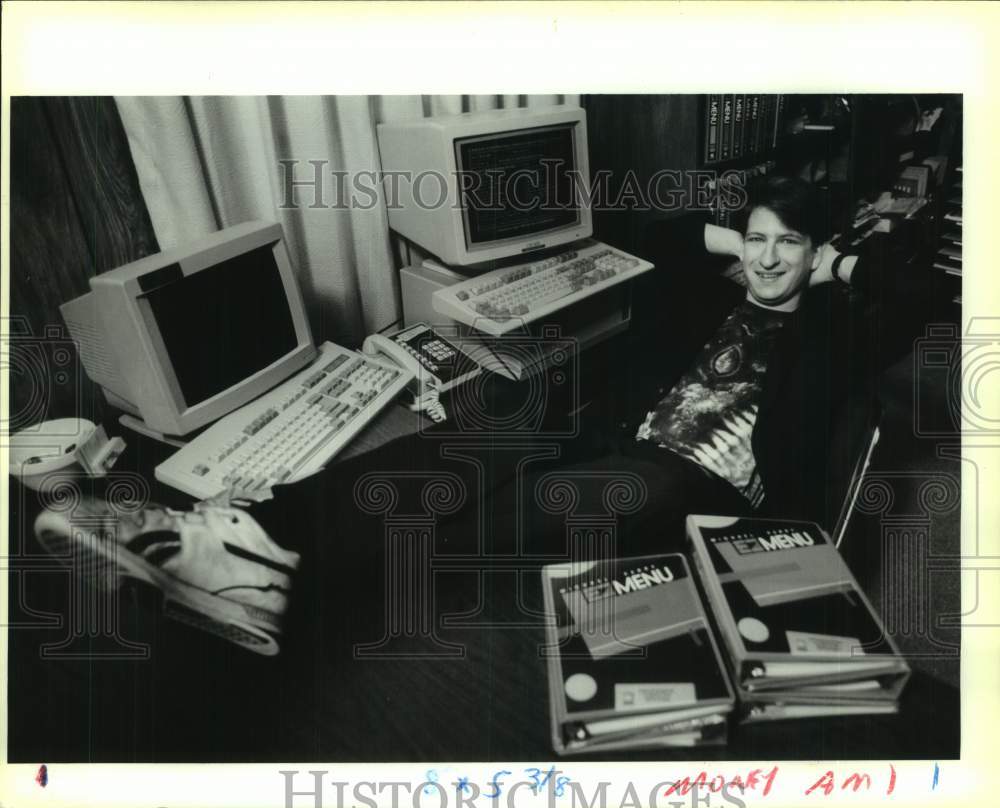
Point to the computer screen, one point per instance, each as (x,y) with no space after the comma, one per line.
(487,186)
(500,209)
(181,338)
(214,333)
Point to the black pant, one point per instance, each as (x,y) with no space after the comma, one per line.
(428,535)
(498,501)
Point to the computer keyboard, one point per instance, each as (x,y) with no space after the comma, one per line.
(500,301)
(290,431)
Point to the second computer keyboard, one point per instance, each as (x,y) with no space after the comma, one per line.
(290,431)
(511,297)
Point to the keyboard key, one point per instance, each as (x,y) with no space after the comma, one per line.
(314,379)
(332,365)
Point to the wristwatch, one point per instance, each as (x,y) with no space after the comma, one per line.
(835,268)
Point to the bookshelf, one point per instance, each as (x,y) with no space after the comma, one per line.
(692,146)
(856,149)
(752,134)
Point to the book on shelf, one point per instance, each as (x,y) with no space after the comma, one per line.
(779,118)
(768,123)
(713,116)
(737,138)
(752,122)
(630,659)
(739,126)
(728,186)
(796,628)
(726,138)
(760,103)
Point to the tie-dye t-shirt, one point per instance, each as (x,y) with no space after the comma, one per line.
(709,415)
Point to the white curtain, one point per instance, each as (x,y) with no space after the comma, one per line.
(210,162)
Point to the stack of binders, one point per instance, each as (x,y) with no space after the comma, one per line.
(801,638)
(631,660)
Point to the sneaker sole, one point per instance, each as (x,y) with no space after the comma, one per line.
(91,560)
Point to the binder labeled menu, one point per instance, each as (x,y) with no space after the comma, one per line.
(797,629)
(630,658)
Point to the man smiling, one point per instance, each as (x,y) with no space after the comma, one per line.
(777,260)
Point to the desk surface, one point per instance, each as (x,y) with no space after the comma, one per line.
(146,689)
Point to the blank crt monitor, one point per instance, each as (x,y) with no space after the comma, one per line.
(485,186)
(182,338)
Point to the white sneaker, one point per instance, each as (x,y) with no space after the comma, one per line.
(216,567)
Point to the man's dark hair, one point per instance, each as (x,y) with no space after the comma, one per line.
(796,202)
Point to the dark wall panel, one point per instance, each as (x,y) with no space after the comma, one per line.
(76,210)
(98,166)
(633,137)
